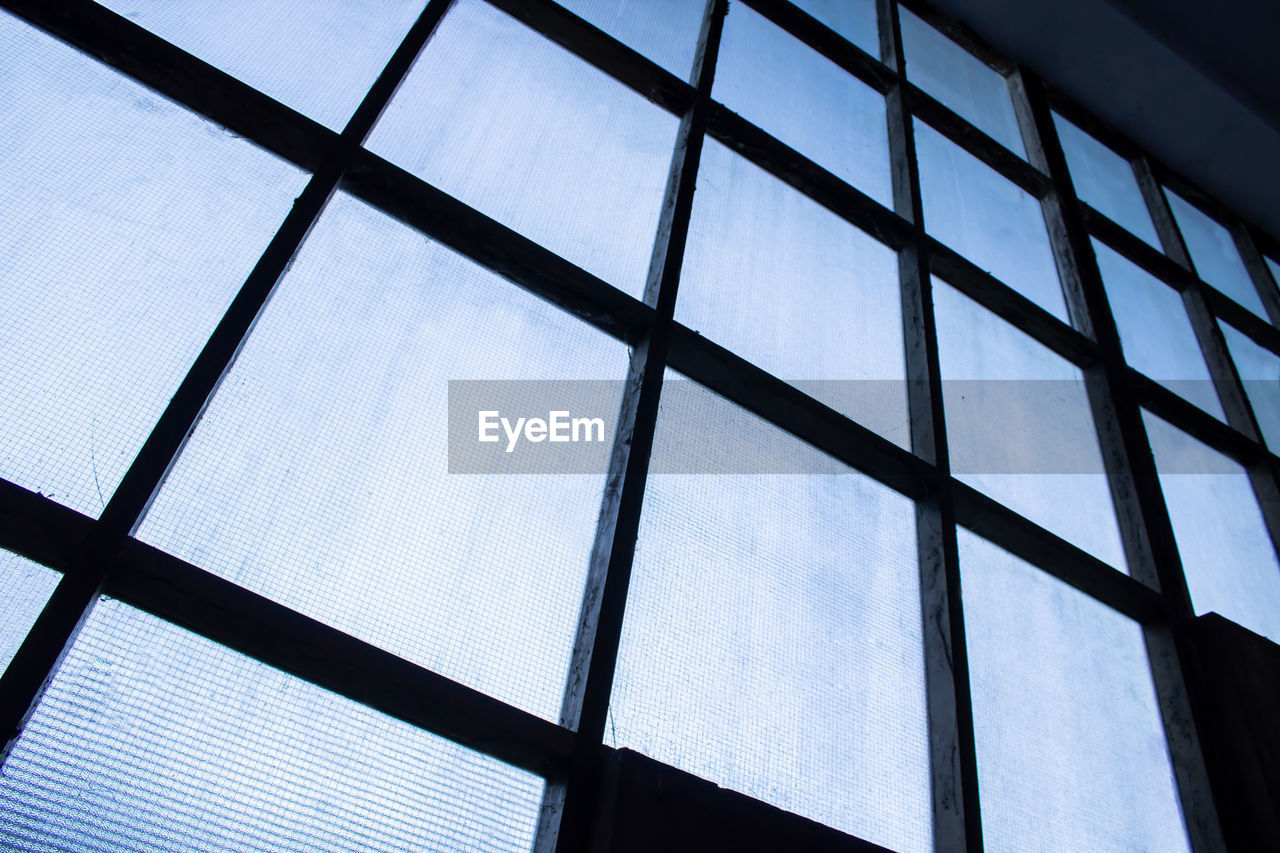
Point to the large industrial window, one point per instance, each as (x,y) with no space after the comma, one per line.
(931,410)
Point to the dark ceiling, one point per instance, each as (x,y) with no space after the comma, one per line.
(1195,83)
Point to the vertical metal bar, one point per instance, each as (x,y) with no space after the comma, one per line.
(1149,543)
(952,749)
(37,660)
(585,705)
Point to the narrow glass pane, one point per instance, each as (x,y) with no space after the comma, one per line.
(853,19)
(24,588)
(959,80)
(790,286)
(665,31)
(522,130)
(1259,370)
(1019,426)
(1155,331)
(127,224)
(1275,270)
(778,83)
(151,738)
(987,219)
(1214,254)
(772,638)
(1071,750)
(317,56)
(1227,556)
(1105,180)
(319,476)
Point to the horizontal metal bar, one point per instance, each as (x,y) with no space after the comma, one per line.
(151,580)
(1198,423)
(40,528)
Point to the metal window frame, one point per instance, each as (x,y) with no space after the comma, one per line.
(100,556)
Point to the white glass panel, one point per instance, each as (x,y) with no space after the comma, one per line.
(24,588)
(1071,750)
(853,19)
(1259,370)
(524,131)
(1214,254)
(1105,180)
(772,636)
(319,475)
(154,739)
(666,31)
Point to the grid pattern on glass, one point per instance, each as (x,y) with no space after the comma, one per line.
(780,84)
(1105,180)
(24,588)
(772,637)
(319,475)
(989,220)
(1019,426)
(154,739)
(127,224)
(1155,331)
(1214,253)
(1227,556)
(1259,370)
(853,19)
(1071,750)
(960,81)
(525,132)
(334,51)
(795,289)
(665,31)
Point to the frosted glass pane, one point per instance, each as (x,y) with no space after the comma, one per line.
(665,31)
(127,224)
(772,636)
(319,476)
(1214,254)
(1019,427)
(790,286)
(317,56)
(775,81)
(1259,370)
(853,19)
(1071,750)
(151,738)
(959,80)
(1105,180)
(24,588)
(1155,331)
(987,219)
(1227,556)
(522,130)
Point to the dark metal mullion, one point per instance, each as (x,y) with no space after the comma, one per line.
(40,654)
(1144,521)
(1258,272)
(573,803)
(953,759)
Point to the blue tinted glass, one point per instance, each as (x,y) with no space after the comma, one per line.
(853,19)
(790,90)
(1259,370)
(987,219)
(24,588)
(1214,253)
(666,31)
(1105,180)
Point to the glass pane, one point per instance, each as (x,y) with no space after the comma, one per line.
(959,80)
(1275,270)
(987,219)
(1214,254)
(525,132)
(666,31)
(1019,426)
(853,19)
(151,738)
(772,637)
(319,476)
(127,224)
(317,56)
(1259,370)
(1155,331)
(790,286)
(24,588)
(1071,750)
(775,81)
(1105,180)
(1227,556)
